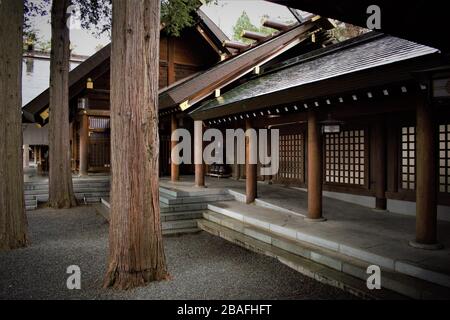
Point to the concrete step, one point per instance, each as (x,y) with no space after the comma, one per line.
(305,266)
(189,215)
(349,266)
(44,186)
(183,207)
(192,193)
(272,220)
(171,223)
(170,200)
(41,192)
(181,224)
(174,232)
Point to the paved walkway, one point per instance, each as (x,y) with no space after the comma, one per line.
(380,236)
(202,266)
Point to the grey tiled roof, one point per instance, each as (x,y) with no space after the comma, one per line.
(325,64)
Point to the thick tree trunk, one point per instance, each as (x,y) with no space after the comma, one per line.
(61,193)
(136,252)
(13,221)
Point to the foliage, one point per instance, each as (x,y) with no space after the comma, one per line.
(96,14)
(243,23)
(344,31)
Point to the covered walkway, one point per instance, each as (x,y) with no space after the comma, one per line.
(380,238)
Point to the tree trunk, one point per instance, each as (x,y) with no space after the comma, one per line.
(13,221)
(136,252)
(61,193)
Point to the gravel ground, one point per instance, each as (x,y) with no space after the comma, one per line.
(202,266)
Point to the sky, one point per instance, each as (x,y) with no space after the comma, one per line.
(225,14)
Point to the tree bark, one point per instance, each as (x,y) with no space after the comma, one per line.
(13,221)
(136,252)
(61,193)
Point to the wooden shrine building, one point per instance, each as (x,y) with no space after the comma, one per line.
(361,121)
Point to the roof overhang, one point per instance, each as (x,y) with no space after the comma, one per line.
(421,21)
(400,72)
(205,83)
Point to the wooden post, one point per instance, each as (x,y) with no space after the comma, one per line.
(174,168)
(84,145)
(314,169)
(251,174)
(26,156)
(380,163)
(426,196)
(35,148)
(198,154)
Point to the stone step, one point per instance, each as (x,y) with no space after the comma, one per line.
(305,266)
(182,224)
(345,265)
(189,215)
(76,190)
(269,220)
(198,192)
(29,187)
(183,207)
(174,232)
(172,223)
(170,200)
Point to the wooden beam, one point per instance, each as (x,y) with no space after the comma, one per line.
(236,45)
(257,36)
(277,25)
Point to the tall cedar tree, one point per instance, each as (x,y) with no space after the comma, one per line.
(136,252)
(61,193)
(13,221)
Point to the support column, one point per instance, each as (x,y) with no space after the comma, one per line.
(314,169)
(84,145)
(26,156)
(380,163)
(426,192)
(35,159)
(174,168)
(198,154)
(250,169)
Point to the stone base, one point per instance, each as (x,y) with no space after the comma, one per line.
(315,220)
(379,210)
(417,245)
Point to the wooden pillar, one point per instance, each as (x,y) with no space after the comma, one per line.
(26,156)
(198,154)
(426,191)
(236,165)
(251,169)
(174,168)
(380,163)
(314,169)
(35,148)
(84,145)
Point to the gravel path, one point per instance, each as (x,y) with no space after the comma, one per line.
(202,266)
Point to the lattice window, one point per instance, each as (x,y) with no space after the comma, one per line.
(444,158)
(345,158)
(408,158)
(292,157)
(99,123)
